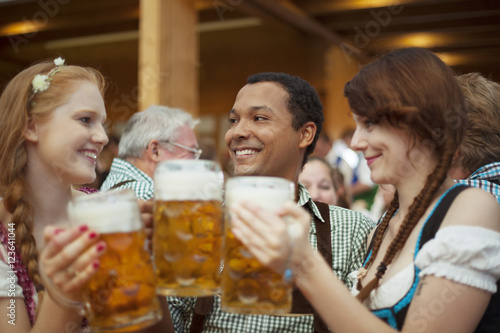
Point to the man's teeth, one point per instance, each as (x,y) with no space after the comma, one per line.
(246,152)
(89,154)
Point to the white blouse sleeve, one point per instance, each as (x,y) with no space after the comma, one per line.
(8,282)
(464,254)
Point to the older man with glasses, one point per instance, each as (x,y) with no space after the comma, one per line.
(195,152)
(156,134)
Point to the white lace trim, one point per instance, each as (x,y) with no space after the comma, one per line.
(465,254)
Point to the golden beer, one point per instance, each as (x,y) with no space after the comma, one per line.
(121,295)
(188,246)
(249,287)
(187,241)
(123,290)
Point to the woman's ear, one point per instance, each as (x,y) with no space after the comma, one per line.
(31,133)
(307,134)
(457,158)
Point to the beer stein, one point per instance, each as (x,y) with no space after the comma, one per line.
(187,241)
(121,296)
(248,287)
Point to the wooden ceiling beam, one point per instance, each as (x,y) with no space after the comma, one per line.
(441,42)
(75,21)
(412,23)
(329,7)
(481,47)
(442,17)
(297,18)
(52,10)
(489,28)
(219,10)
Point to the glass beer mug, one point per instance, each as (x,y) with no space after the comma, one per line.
(248,287)
(121,296)
(187,241)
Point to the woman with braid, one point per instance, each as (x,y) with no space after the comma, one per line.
(434,259)
(51,131)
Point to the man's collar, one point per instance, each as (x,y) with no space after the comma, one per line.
(306,201)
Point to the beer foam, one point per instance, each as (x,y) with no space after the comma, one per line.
(268,198)
(188,186)
(105,217)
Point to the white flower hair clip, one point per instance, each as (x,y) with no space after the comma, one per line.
(41,82)
(59,62)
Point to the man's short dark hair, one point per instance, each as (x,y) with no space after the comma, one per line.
(303,103)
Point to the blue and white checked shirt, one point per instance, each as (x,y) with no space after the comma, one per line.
(486,177)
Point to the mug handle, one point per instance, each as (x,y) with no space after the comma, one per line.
(55,293)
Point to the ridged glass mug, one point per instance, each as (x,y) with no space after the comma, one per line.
(121,296)
(187,241)
(248,287)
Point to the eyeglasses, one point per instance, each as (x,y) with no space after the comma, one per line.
(195,151)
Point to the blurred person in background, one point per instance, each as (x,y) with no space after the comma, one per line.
(154,135)
(323,183)
(360,190)
(477,160)
(323,146)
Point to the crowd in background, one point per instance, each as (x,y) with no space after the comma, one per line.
(412,196)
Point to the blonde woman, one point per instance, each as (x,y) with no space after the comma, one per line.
(51,130)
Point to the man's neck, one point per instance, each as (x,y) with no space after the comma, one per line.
(148,167)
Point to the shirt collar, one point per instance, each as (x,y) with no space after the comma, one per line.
(486,172)
(131,170)
(306,201)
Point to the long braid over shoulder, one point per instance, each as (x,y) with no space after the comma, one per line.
(377,239)
(414,91)
(20,107)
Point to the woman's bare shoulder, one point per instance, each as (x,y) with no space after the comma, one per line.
(475,207)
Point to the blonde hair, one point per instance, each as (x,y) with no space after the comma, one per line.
(18,107)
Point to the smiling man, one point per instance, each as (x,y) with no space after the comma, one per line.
(274,126)
(264,138)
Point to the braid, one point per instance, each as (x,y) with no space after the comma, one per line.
(377,241)
(13,161)
(416,211)
(393,207)
(17,204)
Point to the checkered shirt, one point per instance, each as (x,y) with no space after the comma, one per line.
(349,233)
(122,170)
(486,177)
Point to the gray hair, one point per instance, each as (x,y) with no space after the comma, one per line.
(156,122)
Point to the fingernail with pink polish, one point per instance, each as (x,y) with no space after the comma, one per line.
(83,228)
(58,231)
(95,265)
(93,235)
(100,247)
